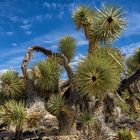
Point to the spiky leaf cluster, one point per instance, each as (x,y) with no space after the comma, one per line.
(13,113)
(109,23)
(133,62)
(114,56)
(97,74)
(56,104)
(67,46)
(82,17)
(11,84)
(46,75)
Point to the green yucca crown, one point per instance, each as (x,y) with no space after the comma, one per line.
(86,119)
(81,16)
(46,75)
(97,74)
(109,23)
(67,46)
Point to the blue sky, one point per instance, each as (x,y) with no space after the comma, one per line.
(24,23)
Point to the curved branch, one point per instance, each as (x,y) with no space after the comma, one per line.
(64,84)
(49,54)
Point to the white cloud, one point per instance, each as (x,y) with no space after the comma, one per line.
(82,42)
(14,44)
(28,32)
(9,33)
(51,5)
(133,27)
(3,71)
(61,14)
(15,61)
(14,18)
(49,41)
(129,49)
(26,26)
(25,21)
(78,58)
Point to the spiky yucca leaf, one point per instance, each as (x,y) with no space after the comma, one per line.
(56,105)
(67,46)
(13,113)
(133,62)
(114,56)
(11,84)
(86,119)
(97,75)
(109,23)
(82,17)
(46,74)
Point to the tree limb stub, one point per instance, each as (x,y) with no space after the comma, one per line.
(127,82)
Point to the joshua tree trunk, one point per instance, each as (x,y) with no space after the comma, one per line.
(93,44)
(18,132)
(66,124)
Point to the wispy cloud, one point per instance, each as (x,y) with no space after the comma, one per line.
(133,27)
(51,5)
(26,26)
(9,33)
(3,70)
(49,41)
(129,49)
(28,32)
(14,44)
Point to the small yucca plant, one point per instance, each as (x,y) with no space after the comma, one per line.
(86,119)
(97,75)
(14,114)
(46,75)
(11,85)
(67,46)
(127,134)
(108,23)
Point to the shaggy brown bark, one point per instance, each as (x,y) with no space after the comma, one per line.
(64,85)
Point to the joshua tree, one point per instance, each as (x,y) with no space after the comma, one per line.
(47,75)
(97,76)
(105,24)
(99,73)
